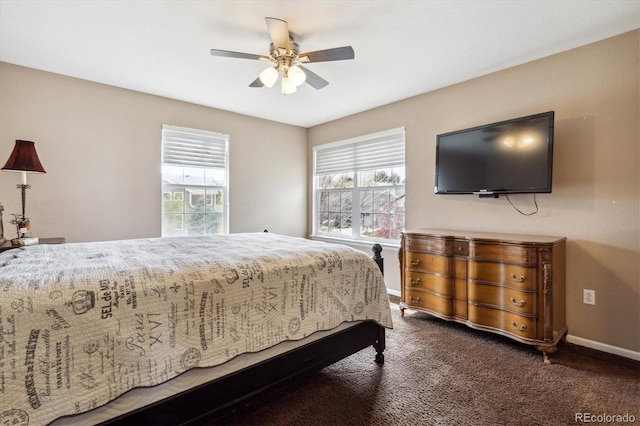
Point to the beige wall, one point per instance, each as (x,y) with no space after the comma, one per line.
(594,91)
(101,148)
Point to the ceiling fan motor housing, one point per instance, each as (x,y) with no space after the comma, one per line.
(285,58)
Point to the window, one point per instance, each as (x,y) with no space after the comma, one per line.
(194,182)
(359,187)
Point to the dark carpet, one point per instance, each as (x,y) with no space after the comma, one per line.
(442,373)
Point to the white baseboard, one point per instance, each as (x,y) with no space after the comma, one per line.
(603,347)
(394,292)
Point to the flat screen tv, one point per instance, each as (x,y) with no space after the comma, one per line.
(509,157)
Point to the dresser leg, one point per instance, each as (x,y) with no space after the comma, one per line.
(402,308)
(546,351)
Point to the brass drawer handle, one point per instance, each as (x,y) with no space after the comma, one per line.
(521,279)
(415,262)
(416,300)
(415,281)
(523,327)
(518,304)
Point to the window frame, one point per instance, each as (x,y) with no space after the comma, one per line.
(356,188)
(182,190)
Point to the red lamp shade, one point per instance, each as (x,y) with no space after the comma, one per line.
(24,158)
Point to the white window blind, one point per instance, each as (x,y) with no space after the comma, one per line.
(193,148)
(376,151)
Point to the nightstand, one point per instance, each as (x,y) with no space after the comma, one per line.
(54,240)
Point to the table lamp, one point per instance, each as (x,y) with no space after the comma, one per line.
(23,159)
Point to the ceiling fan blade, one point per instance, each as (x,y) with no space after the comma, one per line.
(314,80)
(335,54)
(279,32)
(257,83)
(229,54)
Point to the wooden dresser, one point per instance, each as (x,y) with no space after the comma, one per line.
(509,284)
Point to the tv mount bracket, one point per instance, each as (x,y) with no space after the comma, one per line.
(486,194)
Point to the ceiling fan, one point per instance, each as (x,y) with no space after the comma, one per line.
(284,54)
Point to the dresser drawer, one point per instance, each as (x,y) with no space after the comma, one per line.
(502,297)
(503,252)
(420,299)
(503,274)
(423,244)
(511,323)
(427,262)
(435,283)
(461,248)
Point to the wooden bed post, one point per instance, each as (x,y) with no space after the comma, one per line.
(379,346)
(377,249)
(380,340)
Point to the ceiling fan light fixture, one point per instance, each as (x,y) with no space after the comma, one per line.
(288,87)
(269,76)
(296,75)
(284,55)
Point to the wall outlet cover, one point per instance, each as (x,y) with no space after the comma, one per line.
(589,297)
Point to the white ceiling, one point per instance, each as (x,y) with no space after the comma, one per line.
(402,48)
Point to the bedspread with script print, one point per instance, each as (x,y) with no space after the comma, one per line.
(80,324)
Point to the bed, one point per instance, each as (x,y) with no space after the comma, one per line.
(173,330)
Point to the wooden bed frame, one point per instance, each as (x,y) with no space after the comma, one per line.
(222,396)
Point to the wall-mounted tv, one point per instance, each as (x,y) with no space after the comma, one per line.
(508,157)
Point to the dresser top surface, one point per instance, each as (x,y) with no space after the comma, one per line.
(493,236)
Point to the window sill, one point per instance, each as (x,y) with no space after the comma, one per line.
(365,244)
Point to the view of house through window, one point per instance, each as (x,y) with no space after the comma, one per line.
(359,187)
(194,182)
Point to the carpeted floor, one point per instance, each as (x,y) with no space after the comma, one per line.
(442,373)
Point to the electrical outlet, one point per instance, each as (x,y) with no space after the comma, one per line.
(589,297)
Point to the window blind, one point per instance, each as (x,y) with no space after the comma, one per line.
(193,148)
(376,151)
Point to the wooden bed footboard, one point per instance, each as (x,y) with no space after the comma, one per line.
(222,396)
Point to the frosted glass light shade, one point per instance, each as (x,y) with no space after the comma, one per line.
(269,76)
(288,87)
(296,75)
